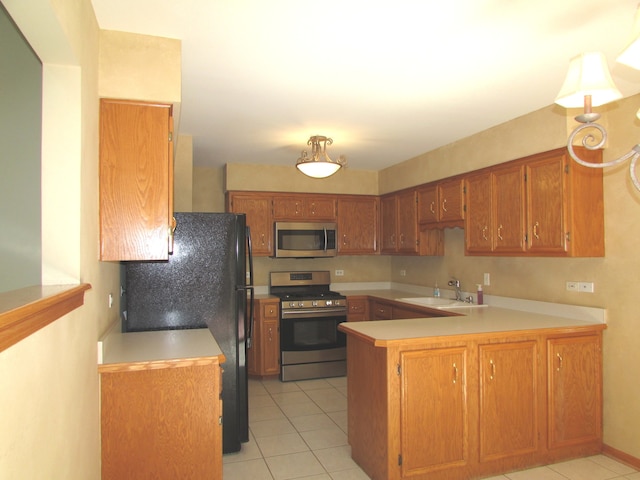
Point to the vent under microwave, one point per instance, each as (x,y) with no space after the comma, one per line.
(305,239)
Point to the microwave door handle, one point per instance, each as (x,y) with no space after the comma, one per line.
(326,241)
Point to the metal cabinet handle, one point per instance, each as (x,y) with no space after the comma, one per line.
(432,207)
(500,232)
(484,233)
(444,205)
(270,334)
(535,231)
(344,239)
(559,361)
(455,373)
(493,369)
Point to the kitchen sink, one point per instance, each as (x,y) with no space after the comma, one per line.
(439,302)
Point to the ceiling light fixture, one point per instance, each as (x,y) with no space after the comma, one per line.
(588,84)
(319,165)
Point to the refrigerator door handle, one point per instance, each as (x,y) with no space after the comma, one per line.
(249,327)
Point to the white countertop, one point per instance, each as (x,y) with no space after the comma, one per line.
(158,346)
(521,315)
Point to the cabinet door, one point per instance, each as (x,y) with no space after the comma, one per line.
(270,347)
(258,211)
(136,180)
(433,423)
(357,225)
(546,201)
(575,390)
(320,208)
(478,222)
(508,208)
(428,204)
(451,200)
(358,310)
(408,222)
(389,219)
(508,400)
(288,208)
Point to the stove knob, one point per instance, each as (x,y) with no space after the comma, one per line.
(329,303)
(301,304)
(314,303)
(292,304)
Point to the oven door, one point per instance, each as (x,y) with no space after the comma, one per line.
(306,330)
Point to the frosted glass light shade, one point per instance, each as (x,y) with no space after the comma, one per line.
(630,56)
(318,169)
(588,75)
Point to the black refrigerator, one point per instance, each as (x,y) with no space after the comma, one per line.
(204,284)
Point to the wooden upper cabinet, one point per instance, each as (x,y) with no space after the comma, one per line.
(478,219)
(565,207)
(257,208)
(357,225)
(543,205)
(136,180)
(508,209)
(304,208)
(442,203)
(399,222)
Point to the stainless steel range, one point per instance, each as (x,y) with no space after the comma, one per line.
(310,344)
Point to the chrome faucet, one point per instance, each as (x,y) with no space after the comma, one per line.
(456,283)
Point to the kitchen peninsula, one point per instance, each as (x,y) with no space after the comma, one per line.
(486,391)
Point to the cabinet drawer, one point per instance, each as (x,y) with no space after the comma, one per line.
(381,311)
(357,306)
(270,310)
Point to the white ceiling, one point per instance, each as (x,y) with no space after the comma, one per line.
(387,80)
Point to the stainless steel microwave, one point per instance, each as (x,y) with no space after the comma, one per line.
(305,239)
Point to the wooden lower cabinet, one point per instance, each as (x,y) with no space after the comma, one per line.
(162,422)
(575,394)
(434,433)
(263,358)
(357,308)
(509,404)
(471,408)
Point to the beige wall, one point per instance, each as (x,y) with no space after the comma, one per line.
(183,174)
(208,189)
(49,405)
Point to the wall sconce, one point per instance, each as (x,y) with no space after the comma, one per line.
(588,84)
(319,165)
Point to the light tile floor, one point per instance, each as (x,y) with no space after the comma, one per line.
(298,430)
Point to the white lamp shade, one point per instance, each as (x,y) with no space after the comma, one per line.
(588,75)
(631,54)
(318,169)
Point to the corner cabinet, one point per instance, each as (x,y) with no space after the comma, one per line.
(357,225)
(542,205)
(136,180)
(399,214)
(258,208)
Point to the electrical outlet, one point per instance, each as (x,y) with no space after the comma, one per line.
(573,287)
(586,287)
(339,273)
(403,273)
(487,279)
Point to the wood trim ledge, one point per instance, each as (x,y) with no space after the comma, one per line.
(27,310)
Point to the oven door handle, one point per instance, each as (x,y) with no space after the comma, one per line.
(317,313)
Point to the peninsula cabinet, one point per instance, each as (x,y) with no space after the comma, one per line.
(136,180)
(263,358)
(490,403)
(357,225)
(542,205)
(307,208)
(441,204)
(258,209)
